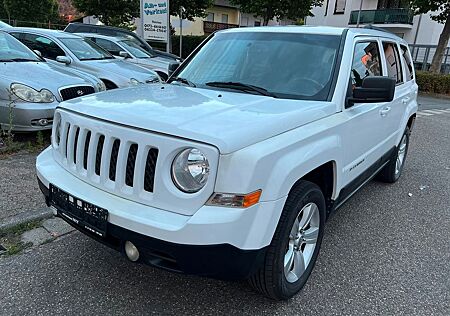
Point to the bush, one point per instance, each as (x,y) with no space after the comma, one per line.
(433,83)
(190,42)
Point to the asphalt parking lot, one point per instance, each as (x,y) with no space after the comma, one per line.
(385,252)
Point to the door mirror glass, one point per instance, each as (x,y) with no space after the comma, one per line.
(374,90)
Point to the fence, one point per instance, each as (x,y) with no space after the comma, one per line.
(422,56)
(43,25)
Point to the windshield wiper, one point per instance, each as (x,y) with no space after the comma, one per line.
(240,86)
(184,80)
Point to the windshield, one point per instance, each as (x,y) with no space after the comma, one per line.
(85,49)
(283,65)
(135,49)
(12,50)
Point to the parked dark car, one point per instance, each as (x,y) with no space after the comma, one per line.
(118,32)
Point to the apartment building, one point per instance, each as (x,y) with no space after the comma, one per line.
(392,15)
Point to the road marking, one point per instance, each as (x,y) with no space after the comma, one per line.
(431,112)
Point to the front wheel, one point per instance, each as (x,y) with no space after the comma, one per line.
(295,246)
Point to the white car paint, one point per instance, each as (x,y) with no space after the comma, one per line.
(252,142)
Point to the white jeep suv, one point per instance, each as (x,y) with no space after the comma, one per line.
(231,169)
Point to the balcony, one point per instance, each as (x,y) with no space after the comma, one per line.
(210,27)
(395,17)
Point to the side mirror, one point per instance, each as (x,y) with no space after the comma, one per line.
(124,54)
(64,60)
(172,68)
(37,53)
(374,90)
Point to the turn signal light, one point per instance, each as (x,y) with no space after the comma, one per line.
(235,200)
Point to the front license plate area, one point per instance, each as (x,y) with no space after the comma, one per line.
(79,212)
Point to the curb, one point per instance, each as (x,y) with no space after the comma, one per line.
(43,213)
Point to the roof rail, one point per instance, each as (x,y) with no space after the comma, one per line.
(372,27)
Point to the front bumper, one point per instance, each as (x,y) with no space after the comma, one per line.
(26,116)
(215,241)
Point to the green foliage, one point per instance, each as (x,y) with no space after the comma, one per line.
(110,12)
(25,10)
(280,9)
(194,8)
(441,8)
(190,42)
(433,83)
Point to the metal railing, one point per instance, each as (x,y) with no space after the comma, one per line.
(43,25)
(422,56)
(383,16)
(210,27)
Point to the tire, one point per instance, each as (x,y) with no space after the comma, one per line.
(271,279)
(391,173)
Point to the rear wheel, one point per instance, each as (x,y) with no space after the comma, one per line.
(295,246)
(393,170)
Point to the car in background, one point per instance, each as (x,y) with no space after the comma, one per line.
(79,53)
(119,32)
(128,50)
(31,88)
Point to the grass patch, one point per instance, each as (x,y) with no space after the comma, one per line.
(10,238)
(30,143)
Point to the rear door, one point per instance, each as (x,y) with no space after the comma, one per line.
(393,112)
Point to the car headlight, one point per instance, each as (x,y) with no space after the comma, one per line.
(190,170)
(29,94)
(101,86)
(134,82)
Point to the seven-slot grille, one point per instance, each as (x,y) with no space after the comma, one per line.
(75,92)
(88,152)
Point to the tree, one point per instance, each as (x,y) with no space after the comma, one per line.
(110,12)
(30,11)
(280,9)
(441,14)
(122,12)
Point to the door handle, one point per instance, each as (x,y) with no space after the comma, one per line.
(405,100)
(385,111)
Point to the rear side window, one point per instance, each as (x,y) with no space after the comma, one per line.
(407,61)
(394,66)
(47,47)
(366,62)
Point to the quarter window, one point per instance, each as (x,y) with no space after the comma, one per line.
(366,62)
(407,62)
(394,67)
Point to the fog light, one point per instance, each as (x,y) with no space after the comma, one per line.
(131,251)
(43,122)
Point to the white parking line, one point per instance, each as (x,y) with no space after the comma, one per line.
(431,112)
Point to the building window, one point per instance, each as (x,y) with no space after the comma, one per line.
(339,6)
(224,18)
(257,23)
(210,17)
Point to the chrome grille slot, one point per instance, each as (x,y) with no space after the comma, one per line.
(86,149)
(75,143)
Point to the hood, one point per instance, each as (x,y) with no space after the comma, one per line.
(155,62)
(119,68)
(40,75)
(228,120)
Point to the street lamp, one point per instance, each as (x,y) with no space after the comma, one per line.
(182,10)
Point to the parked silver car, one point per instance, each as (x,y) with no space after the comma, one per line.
(77,52)
(31,88)
(129,50)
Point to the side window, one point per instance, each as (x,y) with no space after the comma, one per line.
(111,47)
(394,66)
(407,61)
(47,47)
(366,62)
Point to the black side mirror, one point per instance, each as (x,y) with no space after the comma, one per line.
(172,68)
(374,90)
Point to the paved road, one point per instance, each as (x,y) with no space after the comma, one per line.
(431,103)
(384,253)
